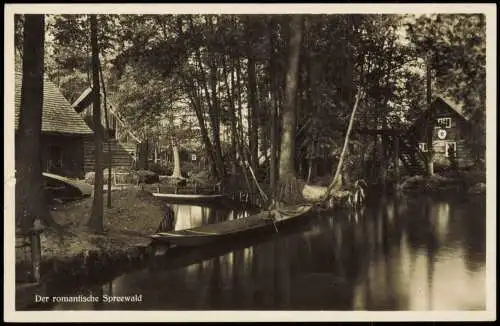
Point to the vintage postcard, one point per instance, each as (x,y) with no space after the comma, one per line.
(250,162)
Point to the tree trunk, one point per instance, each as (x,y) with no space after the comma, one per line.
(253,124)
(213,106)
(96,221)
(196,104)
(287,161)
(108,137)
(274,111)
(240,115)
(430,122)
(215,120)
(30,199)
(287,177)
(177,162)
(335,182)
(232,114)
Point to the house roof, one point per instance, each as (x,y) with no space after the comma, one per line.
(449,104)
(455,106)
(58,115)
(83,105)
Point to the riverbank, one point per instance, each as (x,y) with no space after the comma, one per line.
(80,252)
(465,183)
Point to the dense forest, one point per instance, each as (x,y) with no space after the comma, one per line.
(275,92)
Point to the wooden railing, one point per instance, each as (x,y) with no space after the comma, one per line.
(119,179)
(191,188)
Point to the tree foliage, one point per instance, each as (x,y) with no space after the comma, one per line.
(229,73)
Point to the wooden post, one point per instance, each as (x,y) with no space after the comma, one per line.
(36,254)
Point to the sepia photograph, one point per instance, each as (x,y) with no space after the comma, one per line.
(250,162)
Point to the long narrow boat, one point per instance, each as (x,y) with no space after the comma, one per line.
(261,222)
(187,196)
(63,188)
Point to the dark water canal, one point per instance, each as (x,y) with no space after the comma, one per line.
(397,254)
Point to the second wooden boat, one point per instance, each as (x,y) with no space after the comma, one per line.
(265,221)
(187,196)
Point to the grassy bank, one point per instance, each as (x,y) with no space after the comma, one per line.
(468,183)
(81,252)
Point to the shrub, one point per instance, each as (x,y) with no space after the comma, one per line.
(437,183)
(146,176)
(160,169)
(478,189)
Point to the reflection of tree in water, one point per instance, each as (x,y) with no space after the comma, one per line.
(168,221)
(237,285)
(368,248)
(215,288)
(420,225)
(335,263)
(255,267)
(282,272)
(469,228)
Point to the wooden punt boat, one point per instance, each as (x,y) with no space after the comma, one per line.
(62,188)
(192,199)
(187,193)
(187,196)
(261,222)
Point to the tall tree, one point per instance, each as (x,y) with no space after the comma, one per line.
(96,220)
(177,161)
(253,124)
(430,120)
(30,201)
(273,175)
(287,176)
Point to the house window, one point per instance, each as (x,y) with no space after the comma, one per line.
(422,147)
(443,123)
(451,149)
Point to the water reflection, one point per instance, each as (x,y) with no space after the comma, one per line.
(189,216)
(397,254)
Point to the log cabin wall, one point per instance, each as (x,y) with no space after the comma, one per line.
(122,154)
(62,155)
(451,130)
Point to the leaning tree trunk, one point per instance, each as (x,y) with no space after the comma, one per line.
(195,100)
(288,191)
(335,182)
(30,201)
(96,221)
(177,162)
